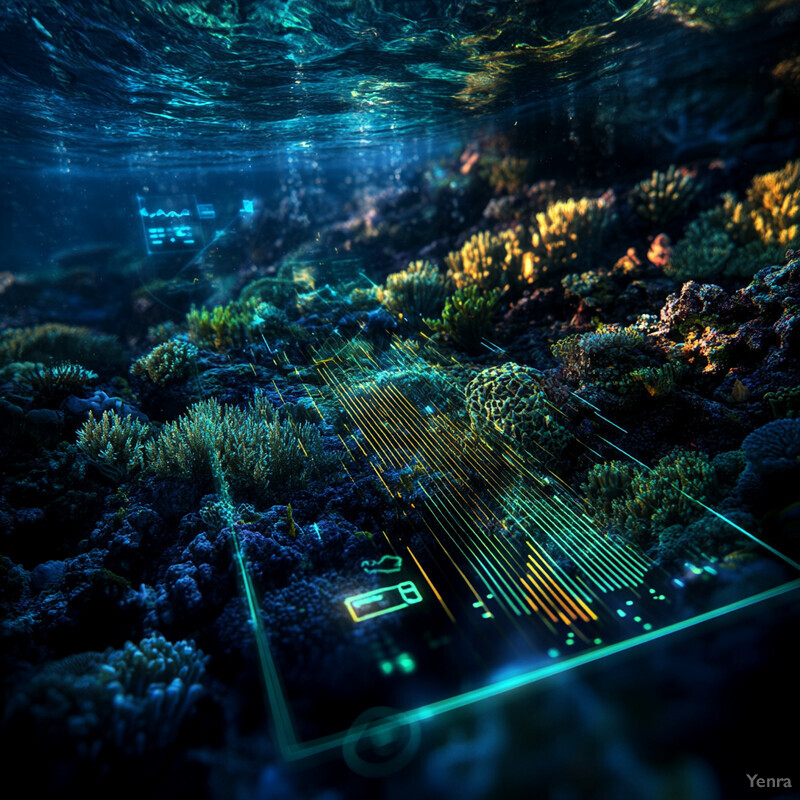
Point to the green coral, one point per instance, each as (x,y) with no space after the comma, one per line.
(510,399)
(659,381)
(640,503)
(415,293)
(115,445)
(168,362)
(664,195)
(269,319)
(594,287)
(253,448)
(784,402)
(610,359)
(567,235)
(488,260)
(58,380)
(223,327)
(467,317)
(54,342)
(278,291)
(702,253)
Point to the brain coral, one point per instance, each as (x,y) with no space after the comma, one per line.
(510,399)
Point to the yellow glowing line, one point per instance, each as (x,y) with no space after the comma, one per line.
(433,588)
(570,600)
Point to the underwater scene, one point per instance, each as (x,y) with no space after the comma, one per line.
(400,398)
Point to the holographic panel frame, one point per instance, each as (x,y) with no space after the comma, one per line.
(474,599)
(171,223)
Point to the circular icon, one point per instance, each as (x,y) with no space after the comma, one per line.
(380,742)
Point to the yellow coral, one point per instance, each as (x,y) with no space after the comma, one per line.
(488,260)
(566,233)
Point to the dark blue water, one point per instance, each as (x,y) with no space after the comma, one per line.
(125,83)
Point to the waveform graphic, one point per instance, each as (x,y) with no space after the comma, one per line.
(161,213)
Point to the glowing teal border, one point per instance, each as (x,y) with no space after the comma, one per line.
(292,750)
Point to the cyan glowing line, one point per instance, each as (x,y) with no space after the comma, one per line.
(431,710)
(716,513)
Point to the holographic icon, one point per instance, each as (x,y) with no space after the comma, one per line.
(385,564)
(382,601)
(206,211)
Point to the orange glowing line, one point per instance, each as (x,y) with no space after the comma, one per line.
(576,602)
(570,601)
(542,603)
(556,601)
(438,596)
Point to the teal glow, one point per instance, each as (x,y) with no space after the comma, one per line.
(293,750)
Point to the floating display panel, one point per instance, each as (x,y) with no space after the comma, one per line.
(495,574)
(171,223)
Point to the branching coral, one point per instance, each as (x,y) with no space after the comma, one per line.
(252,447)
(566,235)
(415,293)
(510,399)
(59,380)
(130,701)
(664,195)
(738,238)
(640,503)
(54,342)
(115,445)
(775,199)
(610,359)
(171,361)
(488,260)
(222,327)
(467,317)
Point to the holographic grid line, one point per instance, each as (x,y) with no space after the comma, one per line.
(294,749)
(399,434)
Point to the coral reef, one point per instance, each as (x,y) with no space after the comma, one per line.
(641,503)
(467,317)
(738,238)
(168,362)
(664,195)
(415,293)
(510,399)
(130,701)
